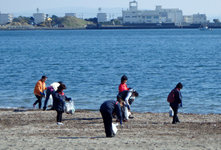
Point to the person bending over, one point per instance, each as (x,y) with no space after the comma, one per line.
(128,97)
(107,109)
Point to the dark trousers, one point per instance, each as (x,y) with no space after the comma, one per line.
(107,118)
(59,116)
(38,101)
(175,111)
(48,93)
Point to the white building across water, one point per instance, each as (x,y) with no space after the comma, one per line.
(159,15)
(5,18)
(39,17)
(71,14)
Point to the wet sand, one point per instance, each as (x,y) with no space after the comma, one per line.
(37,129)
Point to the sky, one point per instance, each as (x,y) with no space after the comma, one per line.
(89,8)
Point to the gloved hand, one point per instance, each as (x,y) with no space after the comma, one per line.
(69,99)
(42,94)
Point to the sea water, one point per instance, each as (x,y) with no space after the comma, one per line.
(91,63)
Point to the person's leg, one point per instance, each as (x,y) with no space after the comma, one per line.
(107,123)
(48,93)
(38,100)
(59,116)
(174,114)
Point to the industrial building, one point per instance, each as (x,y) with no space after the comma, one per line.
(39,17)
(159,15)
(5,18)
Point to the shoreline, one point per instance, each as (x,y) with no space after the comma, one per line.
(23,109)
(84,130)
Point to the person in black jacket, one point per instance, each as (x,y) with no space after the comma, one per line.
(107,109)
(58,102)
(128,97)
(177,102)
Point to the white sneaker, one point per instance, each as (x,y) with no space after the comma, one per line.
(60,123)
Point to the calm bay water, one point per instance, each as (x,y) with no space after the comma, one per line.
(92,62)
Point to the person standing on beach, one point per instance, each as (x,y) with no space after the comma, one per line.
(39,90)
(177,102)
(49,91)
(107,109)
(123,85)
(58,102)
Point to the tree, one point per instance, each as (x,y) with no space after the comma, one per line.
(94,20)
(216,20)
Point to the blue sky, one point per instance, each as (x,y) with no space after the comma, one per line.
(89,8)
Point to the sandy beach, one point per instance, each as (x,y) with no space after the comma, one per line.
(37,129)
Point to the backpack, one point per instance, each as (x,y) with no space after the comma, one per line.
(170,97)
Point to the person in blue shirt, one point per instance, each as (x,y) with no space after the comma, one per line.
(107,109)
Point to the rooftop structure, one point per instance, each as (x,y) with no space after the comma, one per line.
(71,14)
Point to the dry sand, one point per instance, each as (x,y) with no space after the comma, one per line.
(37,129)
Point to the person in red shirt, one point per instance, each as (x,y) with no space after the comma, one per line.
(123,85)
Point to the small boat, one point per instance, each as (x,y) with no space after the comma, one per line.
(205,28)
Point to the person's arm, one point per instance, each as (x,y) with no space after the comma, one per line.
(127,99)
(118,112)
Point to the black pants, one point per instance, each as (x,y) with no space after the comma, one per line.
(59,116)
(175,112)
(107,118)
(39,98)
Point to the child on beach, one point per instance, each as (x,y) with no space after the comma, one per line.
(53,87)
(123,85)
(58,102)
(39,90)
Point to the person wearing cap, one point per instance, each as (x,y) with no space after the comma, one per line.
(49,91)
(123,85)
(107,109)
(128,97)
(39,90)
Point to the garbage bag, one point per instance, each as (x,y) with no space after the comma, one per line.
(114,128)
(69,107)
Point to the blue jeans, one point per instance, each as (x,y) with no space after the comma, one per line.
(48,93)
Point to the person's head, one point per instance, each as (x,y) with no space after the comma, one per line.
(124,79)
(179,86)
(43,78)
(135,94)
(61,87)
(60,82)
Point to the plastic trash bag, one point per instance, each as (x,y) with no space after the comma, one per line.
(69,107)
(171,112)
(126,113)
(50,101)
(114,128)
